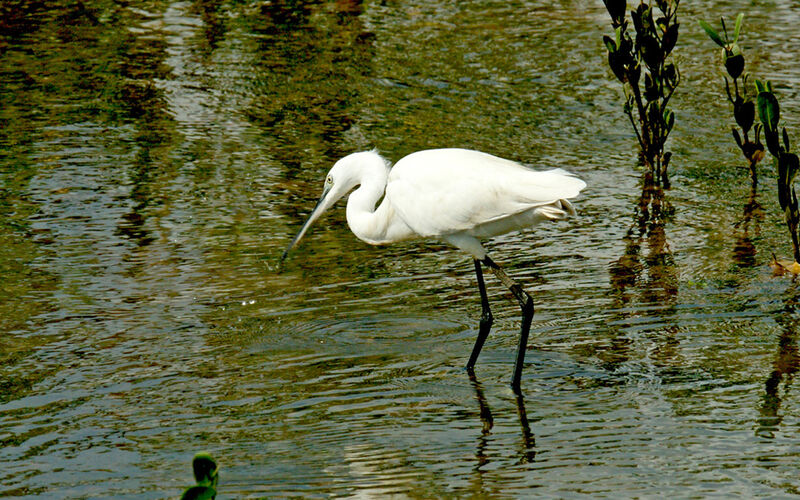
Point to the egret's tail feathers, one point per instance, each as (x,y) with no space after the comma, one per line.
(567,206)
(556,182)
(559,209)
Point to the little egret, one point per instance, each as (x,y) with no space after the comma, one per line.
(455,195)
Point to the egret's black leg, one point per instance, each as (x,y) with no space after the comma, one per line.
(526,303)
(486,319)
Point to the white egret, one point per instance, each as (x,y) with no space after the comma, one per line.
(455,195)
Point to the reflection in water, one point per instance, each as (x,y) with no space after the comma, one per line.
(485,411)
(305,91)
(785,365)
(153,144)
(143,61)
(527,446)
(487,421)
(645,277)
(526,451)
(744,251)
(213,26)
(660,286)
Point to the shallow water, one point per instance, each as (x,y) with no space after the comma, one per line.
(157,157)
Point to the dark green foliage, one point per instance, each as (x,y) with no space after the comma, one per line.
(744,109)
(734,63)
(199,493)
(648,52)
(769,113)
(206,473)
(745,113)
(787,163)
(616,8)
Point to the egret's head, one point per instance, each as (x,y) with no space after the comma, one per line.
(345,174)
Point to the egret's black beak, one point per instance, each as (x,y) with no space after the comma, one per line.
(322,205)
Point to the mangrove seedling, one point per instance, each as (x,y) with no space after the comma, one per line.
(786,162)
(206,473)
(744,109)
(649,78)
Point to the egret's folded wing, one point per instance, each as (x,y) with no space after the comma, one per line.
(442,191)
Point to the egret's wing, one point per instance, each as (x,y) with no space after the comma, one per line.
(447,190)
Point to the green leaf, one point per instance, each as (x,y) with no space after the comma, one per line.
(610,45)
(738,27)
(670,76)
(617,64)
(773,144)
(650,88)
(793,164)
(199,493)
(745,113)
(661,22)
(638,16)
(616,9)
(769,111)
(783,185)
(647,19)
(712,33)
(635,73)
(654,114)
(651,51)
(786,164)
(205,469)
(737,137)
(728,89)
(670,38)
(734,64)
(760,87)
(669,119)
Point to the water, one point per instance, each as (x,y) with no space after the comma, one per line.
(156,157)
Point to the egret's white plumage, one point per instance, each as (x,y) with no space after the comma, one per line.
(456,195)
(461,195)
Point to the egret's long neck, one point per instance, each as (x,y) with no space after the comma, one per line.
(374,226)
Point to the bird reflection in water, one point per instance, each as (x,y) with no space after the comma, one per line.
(527,445)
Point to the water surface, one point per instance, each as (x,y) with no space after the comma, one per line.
(156,157)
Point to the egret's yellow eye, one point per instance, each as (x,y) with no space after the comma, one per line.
(329,180)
